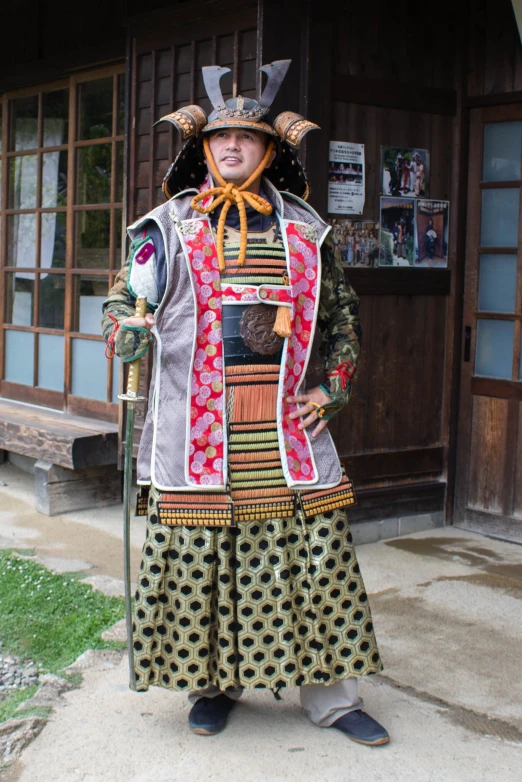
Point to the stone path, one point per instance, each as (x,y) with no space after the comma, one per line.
(446,606)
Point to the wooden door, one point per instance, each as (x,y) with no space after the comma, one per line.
(489,462)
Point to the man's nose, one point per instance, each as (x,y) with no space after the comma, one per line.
(233,143)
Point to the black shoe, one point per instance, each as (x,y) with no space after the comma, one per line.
(209,715)
(360,727)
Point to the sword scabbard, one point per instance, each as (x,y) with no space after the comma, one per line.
(131,397)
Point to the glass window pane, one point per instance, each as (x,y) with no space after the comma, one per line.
(52,301)
(56,118)
(19,299)
(21,240)
(23,182)
(502,147)
(499,221)
(121,105)
(94,174)
(89,295)
(497,283)
(92,239)
(24,123)
(116,369)
(95,99)
(51,361)
(19,357)
(89,369)
(54,179)
(52,249)
(494,351)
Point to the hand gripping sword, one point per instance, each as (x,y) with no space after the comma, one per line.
(131,397)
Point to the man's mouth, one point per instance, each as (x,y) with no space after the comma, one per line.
(231,159)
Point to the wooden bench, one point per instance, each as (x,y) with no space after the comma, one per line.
(76,458)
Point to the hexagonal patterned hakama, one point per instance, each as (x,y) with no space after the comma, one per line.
(265,605)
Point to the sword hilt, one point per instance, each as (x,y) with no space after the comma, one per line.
(133,378)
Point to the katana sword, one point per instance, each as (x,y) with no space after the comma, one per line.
(131,397)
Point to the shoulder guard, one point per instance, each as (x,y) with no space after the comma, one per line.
(141,280)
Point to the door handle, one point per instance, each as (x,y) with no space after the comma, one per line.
(467,343)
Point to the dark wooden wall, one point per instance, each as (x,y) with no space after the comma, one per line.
(495,55)
(166,74)
(393,82)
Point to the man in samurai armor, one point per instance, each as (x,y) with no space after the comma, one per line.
(249,577)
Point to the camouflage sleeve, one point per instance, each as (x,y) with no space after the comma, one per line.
(338,320)
(130,342)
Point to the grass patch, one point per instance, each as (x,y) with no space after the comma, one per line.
(10,702)
(51,618)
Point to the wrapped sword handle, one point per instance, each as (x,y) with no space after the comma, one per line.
(133,378)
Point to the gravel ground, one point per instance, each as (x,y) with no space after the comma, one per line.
(16,673)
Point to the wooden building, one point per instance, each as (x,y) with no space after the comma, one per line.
(433,433)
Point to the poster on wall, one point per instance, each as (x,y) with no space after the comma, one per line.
(355,242)
(346,178)
(431,233)
(397,235)
(405,172)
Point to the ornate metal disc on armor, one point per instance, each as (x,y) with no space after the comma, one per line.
(256,328)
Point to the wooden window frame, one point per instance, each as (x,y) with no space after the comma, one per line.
(502,388)
(63,400)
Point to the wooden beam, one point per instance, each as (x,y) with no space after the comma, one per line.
(399,281)
(61,65)
(69,441)
(392,501)
(393,464)
(493,524)
(458,218)
(390,94)
(496,99)
(501,389)
(58,490)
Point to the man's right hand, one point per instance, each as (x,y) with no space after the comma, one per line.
(143,323)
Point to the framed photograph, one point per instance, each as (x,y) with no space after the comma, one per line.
(397,235)
(405,172)
(355,242)
(431,233)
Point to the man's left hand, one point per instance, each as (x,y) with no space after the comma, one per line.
(319,398)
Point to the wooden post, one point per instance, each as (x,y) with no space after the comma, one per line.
(58,490)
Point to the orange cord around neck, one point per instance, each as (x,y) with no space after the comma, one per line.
(227,194)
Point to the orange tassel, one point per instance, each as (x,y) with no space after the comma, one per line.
(283,324)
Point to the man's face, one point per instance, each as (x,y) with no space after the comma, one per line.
(237,152)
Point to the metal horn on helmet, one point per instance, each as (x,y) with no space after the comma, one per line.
(276,72)
(292,128)
(189,120)
(212,75)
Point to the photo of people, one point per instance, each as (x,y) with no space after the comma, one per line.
(345,173)
(397,236)
(355,242)
(405,172)
(431,233)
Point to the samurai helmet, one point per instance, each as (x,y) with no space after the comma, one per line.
(288,130)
